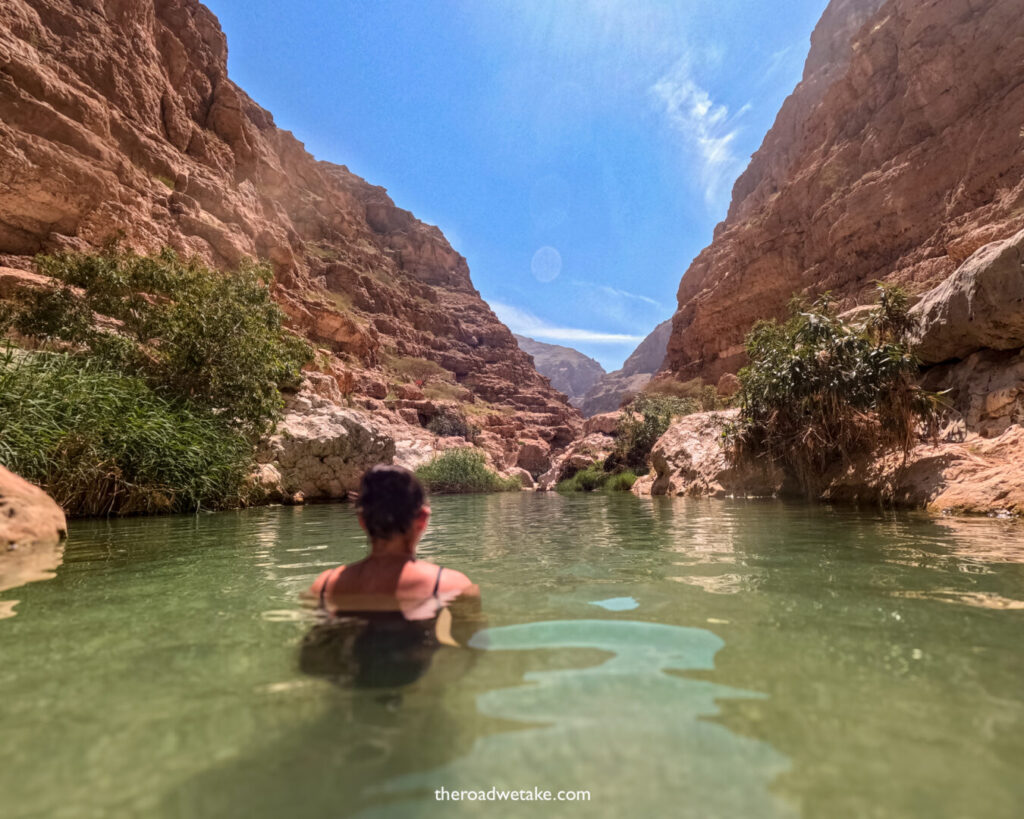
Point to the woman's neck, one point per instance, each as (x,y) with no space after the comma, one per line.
(392,550)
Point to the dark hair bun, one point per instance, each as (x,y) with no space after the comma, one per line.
(390,497)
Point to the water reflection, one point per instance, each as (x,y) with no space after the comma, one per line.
(630,728)
(387,648)
(887,692)
(27,564)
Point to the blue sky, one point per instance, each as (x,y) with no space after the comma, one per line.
(578,153)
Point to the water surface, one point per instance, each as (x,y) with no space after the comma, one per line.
(673,657)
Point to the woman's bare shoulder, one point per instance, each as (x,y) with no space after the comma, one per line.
(452,580)
(322,578)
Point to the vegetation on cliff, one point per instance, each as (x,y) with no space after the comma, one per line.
(820,391)
(147,381)
(463,471)
(646,418)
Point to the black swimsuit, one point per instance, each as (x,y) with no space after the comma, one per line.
(370,649)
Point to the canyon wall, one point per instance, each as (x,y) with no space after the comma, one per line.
(899,154)
(566,368)
(118,119)
(608,393)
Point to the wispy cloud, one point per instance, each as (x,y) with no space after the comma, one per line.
(616,293)
(708,127)
(777,60)
(527,324)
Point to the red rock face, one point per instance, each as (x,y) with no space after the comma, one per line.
(899,154)
(118,117)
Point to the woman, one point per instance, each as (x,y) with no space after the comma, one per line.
(389,611)
(393,512)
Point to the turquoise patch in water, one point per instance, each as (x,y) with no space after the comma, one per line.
(617,604)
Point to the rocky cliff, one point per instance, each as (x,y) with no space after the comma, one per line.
(567,369)
(608,393)
(897,156)
(117,118)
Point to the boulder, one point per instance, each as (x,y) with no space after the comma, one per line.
(980,306)
(409,392)
(321,451)
(28,516)
(690,459)
(32,528)
(973,476)
(525,478)
(534,455)
(728,385)
(607,423)
(579,455)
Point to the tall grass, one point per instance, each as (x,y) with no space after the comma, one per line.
(463,471)
(158,410)
(102,442)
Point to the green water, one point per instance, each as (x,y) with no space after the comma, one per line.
(749,660)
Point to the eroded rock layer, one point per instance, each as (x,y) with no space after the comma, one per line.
(117,118)
(897,156)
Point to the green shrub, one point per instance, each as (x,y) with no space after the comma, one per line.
(417,369)
(703,396)
(463,470)
(819,391)
(102,442)
(445,391)
(216,339)
(643,422)
(594,477)
(452,424)
(621,482)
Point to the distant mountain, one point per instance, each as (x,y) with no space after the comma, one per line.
(606,395)
(568,370)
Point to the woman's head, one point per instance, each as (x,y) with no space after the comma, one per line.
(392,504)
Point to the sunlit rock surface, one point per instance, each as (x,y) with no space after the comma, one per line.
(691,459)
(120,119)
(32,531)
(896,157)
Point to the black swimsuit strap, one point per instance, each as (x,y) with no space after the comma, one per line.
(437,582)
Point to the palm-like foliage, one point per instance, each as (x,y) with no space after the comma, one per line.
(819,390)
